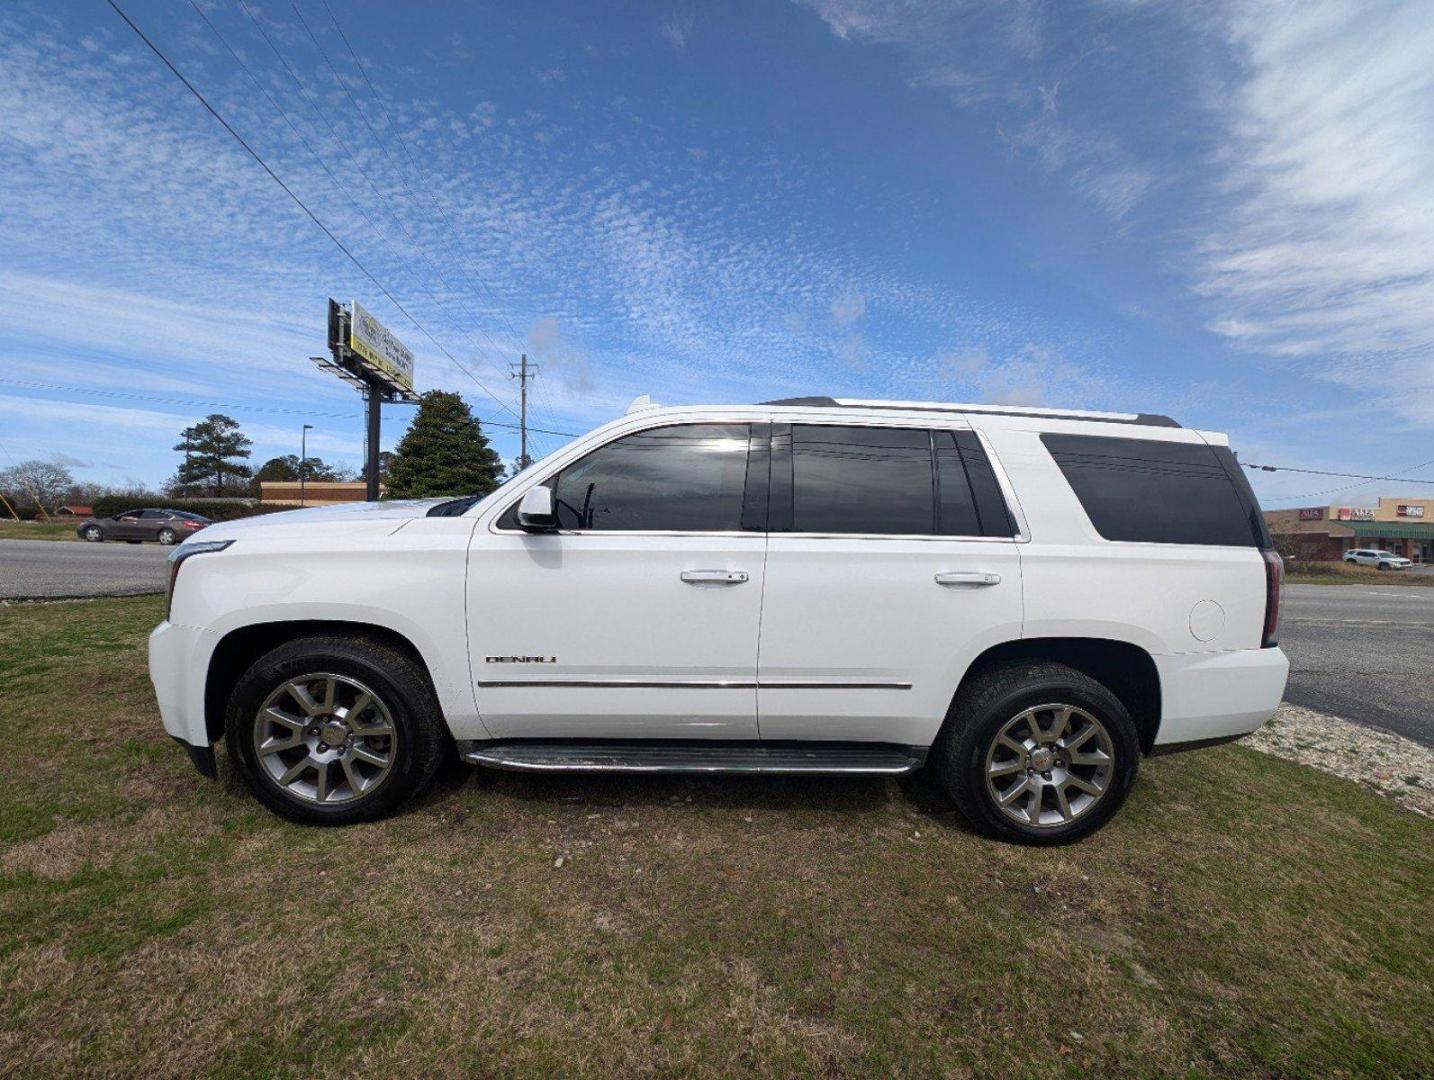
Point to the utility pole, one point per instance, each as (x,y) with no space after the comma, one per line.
(303,459)
(523,371)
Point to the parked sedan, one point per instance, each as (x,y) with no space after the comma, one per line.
(1377,557)
(135,526)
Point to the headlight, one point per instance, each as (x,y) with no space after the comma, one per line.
(177,558)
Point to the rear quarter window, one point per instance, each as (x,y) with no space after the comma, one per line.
(1159,492)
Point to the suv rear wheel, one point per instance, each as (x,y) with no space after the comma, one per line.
(330,730)
(1038,753)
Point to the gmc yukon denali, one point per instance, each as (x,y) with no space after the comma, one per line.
(1023,601)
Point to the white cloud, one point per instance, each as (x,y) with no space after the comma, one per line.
(993,56)
(1322,239)
(677,28)
(1033,374)
(848,307)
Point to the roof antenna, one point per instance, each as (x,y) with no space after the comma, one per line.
(642,404)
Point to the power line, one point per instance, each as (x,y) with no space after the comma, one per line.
(300,202)
(460,260)
(403,142)
(1357,476)
(307,97)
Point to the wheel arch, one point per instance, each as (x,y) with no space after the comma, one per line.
(240,647)
(1126,669)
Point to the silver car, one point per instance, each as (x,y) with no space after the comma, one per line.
(1377,557)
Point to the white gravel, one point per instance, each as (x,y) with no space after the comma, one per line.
(1392,765)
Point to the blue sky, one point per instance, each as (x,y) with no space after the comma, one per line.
(1221,211)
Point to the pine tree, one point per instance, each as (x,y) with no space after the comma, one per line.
(212,449)
(444,452)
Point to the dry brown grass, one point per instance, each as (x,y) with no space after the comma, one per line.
(1243,917)
(1307,572)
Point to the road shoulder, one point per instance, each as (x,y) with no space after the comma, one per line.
(1398,768)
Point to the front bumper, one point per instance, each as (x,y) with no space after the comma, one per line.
(1209,697)
(178,666)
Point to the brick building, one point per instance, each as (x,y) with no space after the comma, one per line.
(316,492)
(1401,525)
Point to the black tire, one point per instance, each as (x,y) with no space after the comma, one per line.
(1384,566)
(995,697)
(94,534)
(167,537)
(396,678)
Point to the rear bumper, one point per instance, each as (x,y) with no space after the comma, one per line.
(178,665)
(1209,697)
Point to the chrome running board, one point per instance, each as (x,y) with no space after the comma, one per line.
(694,756)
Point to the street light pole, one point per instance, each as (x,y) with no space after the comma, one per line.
(303,459)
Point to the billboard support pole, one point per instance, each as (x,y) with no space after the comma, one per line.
(375,399)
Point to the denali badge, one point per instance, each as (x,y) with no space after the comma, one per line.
(520,659)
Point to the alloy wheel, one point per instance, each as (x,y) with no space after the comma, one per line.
(1049,765)
(325,738)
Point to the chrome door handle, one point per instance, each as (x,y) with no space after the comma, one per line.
(968,577)
(714,577)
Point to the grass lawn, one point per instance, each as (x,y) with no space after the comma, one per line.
(1242,917)
(38,530)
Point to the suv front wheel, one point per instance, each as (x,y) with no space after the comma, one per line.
(1038,753)
(330,730)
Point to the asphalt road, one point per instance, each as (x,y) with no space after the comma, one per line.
(55,568)
(1365,653)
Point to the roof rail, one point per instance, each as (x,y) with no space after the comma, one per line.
(1143,419)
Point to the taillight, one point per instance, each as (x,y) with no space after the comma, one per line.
(1274,597)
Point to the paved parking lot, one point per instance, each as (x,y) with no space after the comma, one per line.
(38,568)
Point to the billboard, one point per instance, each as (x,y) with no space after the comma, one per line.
(376,346)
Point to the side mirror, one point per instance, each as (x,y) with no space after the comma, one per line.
(535,512)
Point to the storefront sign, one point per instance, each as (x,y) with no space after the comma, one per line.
(1312,513)
(1410,510)
(1355,513)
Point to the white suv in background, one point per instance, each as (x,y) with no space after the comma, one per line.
(1377,557)
(1024,601)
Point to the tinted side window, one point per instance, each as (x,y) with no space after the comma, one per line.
(1159,492)
(862,480)
(682,478)
(970,503)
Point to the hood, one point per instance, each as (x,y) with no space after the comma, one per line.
(383,516)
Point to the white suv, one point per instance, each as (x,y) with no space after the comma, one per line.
(1024,600)
(1378,558)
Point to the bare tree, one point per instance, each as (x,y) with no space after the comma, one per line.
(36,483)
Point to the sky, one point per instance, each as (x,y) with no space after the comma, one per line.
(1222,211)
